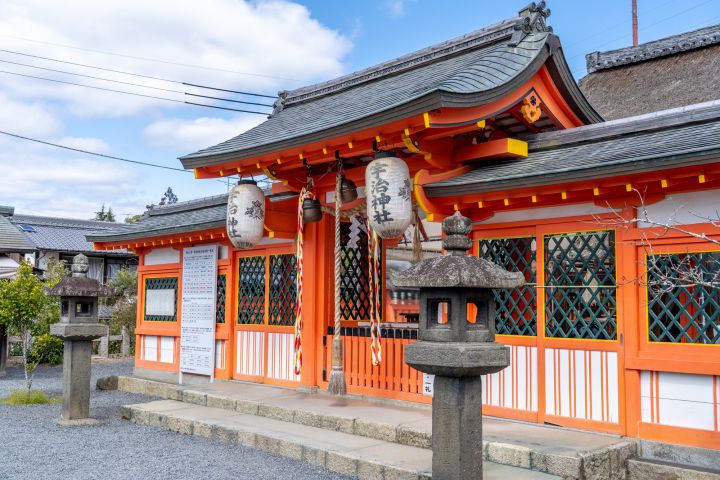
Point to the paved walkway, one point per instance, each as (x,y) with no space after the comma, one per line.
(34,447)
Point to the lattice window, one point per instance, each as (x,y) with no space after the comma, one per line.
(684,298)
(220,300)
(251,294)
(580,285)
(161,299)
(515,309)
(354,277)
(283,290)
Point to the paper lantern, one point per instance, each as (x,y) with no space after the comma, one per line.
(388,190)
(245,214)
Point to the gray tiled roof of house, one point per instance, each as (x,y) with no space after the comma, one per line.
(199,214)
(469,70)
(667,139)
(672,45)
(61,234)
(11,240)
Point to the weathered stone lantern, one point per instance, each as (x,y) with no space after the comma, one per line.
(78,326)
(456,343)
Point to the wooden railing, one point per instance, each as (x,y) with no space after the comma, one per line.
(393,378)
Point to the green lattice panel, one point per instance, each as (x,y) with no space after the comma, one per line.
(580,286)
(251,294)
(684,298)
(354,277)
(283,290)
(220,300)
(515,309)
(163,283)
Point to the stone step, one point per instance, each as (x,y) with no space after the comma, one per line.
(344,453)
(562,452)
(680,454)
(647,469)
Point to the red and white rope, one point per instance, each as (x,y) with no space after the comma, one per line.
(374,276)
(304,194)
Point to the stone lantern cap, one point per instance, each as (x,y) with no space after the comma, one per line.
(79,285)
(456,268)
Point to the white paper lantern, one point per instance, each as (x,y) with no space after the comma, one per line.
(388,190)
(245,214)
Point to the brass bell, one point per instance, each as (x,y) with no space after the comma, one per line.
(348,190)
(312,212)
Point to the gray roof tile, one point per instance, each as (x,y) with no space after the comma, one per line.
(11,240)
(678,137)
(61,234)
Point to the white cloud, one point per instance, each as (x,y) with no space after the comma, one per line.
(192,135)
(86,143)
(272,39)
(396,8)
(28,118)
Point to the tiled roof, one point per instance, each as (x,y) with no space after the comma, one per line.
(61,234)
(664,47)
(200,214)
(11,240)
(673,138)
(469,70)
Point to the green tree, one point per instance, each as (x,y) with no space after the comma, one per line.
(168,197)
(124,314)
(22,302)
(105,215)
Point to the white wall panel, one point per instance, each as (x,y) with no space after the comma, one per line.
(582,384)
(150,351)
(546,212)
(167,349)
(250,353)
(516,386)
(161,256)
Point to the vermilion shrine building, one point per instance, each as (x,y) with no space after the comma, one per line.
(491,124)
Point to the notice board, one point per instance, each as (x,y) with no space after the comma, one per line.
(197,325)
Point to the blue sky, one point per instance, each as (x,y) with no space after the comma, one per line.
(275,41)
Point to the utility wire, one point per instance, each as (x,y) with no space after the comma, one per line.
(131,93)
(111,157)
(136,84)
(161,79)
(167,62)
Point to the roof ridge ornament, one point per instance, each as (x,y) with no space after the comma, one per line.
(279,103)
(532,19)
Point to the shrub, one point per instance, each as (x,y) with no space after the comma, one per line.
(47,349)
(28,397)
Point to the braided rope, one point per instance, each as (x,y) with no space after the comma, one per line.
(336,383)
(374,277)
(304,193)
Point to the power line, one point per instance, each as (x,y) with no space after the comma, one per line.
(111,157)
(131,93)
(167,62)
(135,84)
(150,77)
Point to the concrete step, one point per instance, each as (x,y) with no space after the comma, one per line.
(562,452)
(647,469)
(344,453)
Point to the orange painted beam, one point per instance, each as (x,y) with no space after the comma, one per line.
(433,211)
(503,148)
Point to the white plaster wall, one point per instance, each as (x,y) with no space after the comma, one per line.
(160,256)
(680,399)
(685,208)
(42,261)
(546,212)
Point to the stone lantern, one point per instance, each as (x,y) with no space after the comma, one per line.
(456,343)
(78,327)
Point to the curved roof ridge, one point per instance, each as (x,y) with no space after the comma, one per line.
(477,39)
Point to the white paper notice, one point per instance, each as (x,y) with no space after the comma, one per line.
(197,327)
(428,384)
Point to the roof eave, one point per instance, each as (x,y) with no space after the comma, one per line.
(181,229)
(559,177)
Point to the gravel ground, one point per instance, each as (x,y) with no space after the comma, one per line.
(33,446)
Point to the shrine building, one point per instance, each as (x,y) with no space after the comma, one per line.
(613,223)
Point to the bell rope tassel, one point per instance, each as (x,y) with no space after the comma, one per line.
(304,194)
(374,270)
(336,382)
